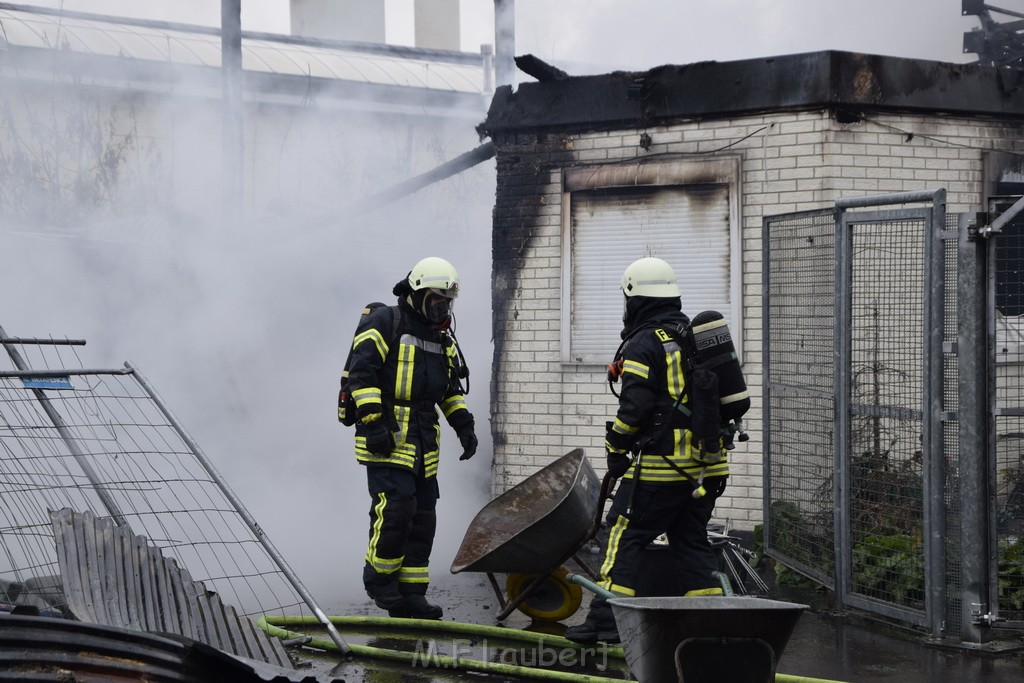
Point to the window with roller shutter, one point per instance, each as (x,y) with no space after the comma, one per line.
(681,211)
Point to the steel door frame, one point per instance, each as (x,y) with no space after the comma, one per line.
(930,411)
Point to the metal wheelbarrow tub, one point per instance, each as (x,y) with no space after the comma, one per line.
(652,628)
(537,524)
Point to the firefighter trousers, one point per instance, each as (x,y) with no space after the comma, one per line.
(402,525)
(661,509)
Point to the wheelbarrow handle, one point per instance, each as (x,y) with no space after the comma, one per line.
(590,585)
(607,485)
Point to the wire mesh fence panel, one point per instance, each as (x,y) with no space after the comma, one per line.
(878,406)
(114,450)
(954,580)
(799,406)
(886,502)
(1009,421)
(850,361)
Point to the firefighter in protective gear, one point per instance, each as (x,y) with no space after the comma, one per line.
(397,385)
(656,492)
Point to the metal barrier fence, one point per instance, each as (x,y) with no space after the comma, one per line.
(103,441)
(879,324)
(799,366)
(1005,326)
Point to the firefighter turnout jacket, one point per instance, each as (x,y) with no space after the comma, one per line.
(653,377)
(405,379)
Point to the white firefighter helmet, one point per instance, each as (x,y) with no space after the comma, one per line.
(436,274)
(650,277)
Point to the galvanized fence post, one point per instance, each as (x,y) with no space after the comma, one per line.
(843,352)
(975,451)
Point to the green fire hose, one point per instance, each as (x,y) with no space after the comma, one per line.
(276,627)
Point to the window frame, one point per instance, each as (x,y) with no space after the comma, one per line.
(665,172)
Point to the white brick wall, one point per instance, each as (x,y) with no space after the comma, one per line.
(790,162)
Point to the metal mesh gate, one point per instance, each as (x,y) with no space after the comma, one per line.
(1008,416)
(799,361)
(860,311)
(883,378)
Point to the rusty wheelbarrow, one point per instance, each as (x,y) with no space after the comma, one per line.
(531,530)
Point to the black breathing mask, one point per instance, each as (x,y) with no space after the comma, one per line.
(435,305)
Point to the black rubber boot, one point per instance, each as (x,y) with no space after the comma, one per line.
(599,625)
(385,595)
(415,606)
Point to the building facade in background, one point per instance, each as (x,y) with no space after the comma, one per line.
(684,162)
(105,116)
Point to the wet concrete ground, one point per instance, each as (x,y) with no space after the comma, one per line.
(842,648)
(852,647)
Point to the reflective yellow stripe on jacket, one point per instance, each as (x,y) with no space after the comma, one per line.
(654,467)
(404,453)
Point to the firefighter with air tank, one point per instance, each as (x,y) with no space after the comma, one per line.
(680,384)
(404,364)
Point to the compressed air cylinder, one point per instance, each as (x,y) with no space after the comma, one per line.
(715,352)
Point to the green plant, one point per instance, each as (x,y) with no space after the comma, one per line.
(890,567)
(787,576)
(885,483)
(794,533)
(886,494)
(758,544)
(1010,484)
(1011,575)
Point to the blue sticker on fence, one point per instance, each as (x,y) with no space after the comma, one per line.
(54,382)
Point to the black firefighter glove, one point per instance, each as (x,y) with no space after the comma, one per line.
(618,463)
(469,443)
(379,439)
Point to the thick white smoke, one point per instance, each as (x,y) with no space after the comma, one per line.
(243,325)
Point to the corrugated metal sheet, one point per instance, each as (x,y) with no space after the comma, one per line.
(115,578)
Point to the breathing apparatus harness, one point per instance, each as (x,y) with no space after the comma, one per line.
(457,364)
(680,333)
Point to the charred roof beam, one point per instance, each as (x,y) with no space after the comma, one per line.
(997,43)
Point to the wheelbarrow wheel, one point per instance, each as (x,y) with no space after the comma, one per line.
(553,599)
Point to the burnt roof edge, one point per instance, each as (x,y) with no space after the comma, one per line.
(859,83)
